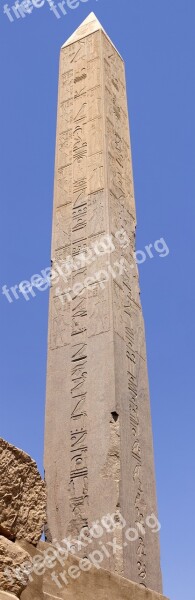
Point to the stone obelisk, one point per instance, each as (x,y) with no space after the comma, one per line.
(98,437)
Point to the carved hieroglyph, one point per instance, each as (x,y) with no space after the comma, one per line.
(98,438)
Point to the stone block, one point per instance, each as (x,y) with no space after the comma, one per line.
(22,495)
(12,558)
(95,584)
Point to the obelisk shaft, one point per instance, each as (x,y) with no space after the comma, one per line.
(98,438)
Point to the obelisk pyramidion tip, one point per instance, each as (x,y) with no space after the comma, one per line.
(88,26)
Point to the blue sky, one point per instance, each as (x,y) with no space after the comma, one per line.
(156,39)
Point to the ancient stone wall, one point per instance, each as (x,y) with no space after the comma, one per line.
(22,515)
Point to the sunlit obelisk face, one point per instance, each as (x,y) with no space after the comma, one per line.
(98,438)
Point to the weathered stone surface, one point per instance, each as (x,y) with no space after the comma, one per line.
(98,436)
(96,584)
(22,495)
(6,596)
(34,590)
(12,559)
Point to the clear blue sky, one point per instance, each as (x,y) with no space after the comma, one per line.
(157,41)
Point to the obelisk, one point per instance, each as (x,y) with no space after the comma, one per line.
(98,437)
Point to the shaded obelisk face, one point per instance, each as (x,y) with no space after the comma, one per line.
(98,438)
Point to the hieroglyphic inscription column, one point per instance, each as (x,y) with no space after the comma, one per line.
(132,394)
(98,438)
